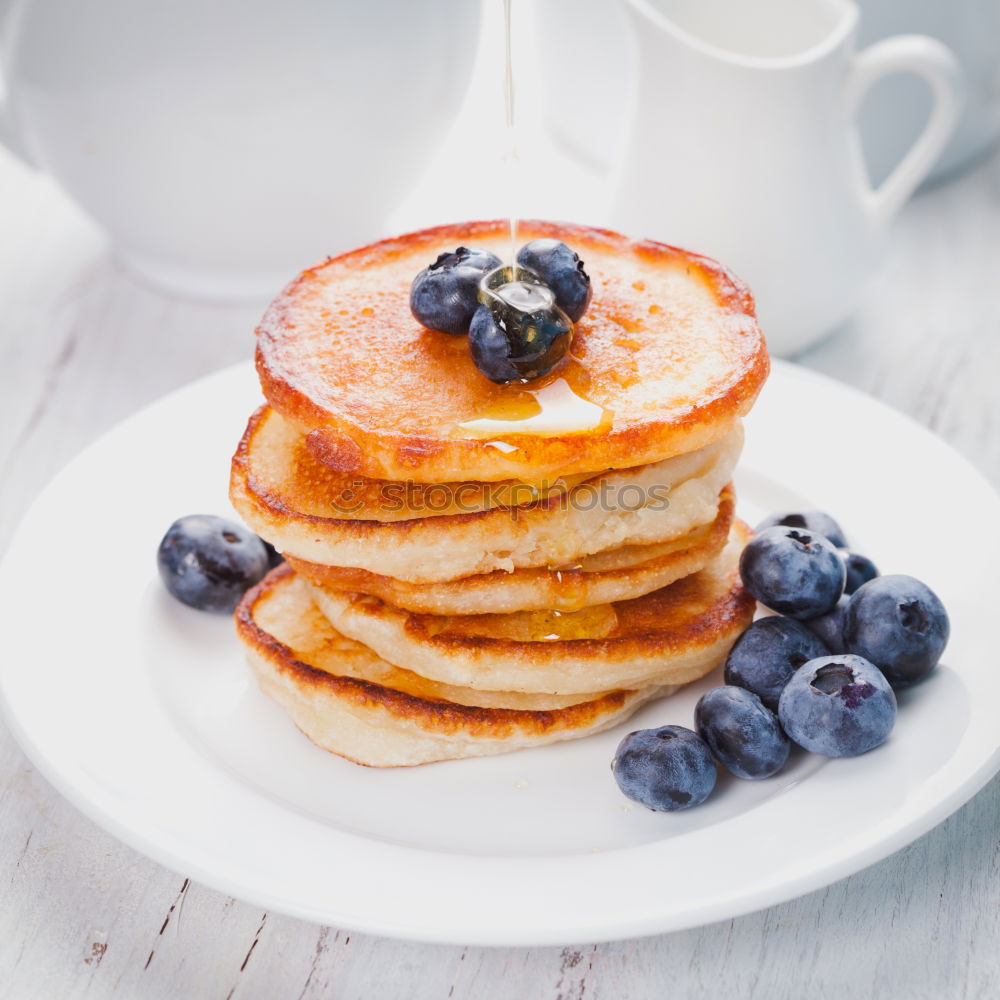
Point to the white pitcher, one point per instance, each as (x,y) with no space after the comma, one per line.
(742,144)
(224,145)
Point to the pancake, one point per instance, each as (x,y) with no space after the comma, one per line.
(293,480)
(636,506)
(669,353)
(615,575)
(671,636)
(348,701)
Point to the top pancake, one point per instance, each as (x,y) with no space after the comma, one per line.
(669,349)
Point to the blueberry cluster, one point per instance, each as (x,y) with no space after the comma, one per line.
(519,319)
(208,563)
(820,673)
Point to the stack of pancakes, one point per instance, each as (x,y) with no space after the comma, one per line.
(473,568)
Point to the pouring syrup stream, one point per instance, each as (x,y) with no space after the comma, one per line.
(559,403)
(511,155)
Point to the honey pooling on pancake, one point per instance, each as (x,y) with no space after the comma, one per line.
(557,404)
(595,622)
(570,588)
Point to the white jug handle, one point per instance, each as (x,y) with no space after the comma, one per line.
(925,57)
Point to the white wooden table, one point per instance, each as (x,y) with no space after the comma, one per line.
(82,345)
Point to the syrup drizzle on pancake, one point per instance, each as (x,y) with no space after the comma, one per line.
(570,585)
(596,622)
(558,406)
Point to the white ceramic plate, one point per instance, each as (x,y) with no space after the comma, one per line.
(143,714)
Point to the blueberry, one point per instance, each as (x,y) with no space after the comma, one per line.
(209,563)
(490,348)
(518,333)
(562,270)
(743,734)
(860,569)
(443,296)
(665,769)
(899,624)
(830,626)
(811,520)
(767,654)
(838,706)
(793,571)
